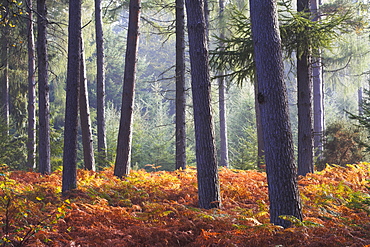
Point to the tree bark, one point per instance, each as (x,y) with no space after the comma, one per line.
(180,86)
(281,170)
(87,139)
(44,112)
(31,142)
(318,95)
(360,101)
(69,180)
(5,79)
(100,82)
(122,165)
(304,101)
(260,143)
(224,150)
(207,174)
(318,109)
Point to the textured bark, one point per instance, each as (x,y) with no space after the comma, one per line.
(69,180)
(281,170)
(87,139)
(318,95)
(100,82)
(180,86)
(207,174)
(31,129)
(260,143)
(44,112)
(224,150)
(318,109)
(304,102)
(122,165)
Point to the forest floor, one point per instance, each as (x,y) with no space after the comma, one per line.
(160,209)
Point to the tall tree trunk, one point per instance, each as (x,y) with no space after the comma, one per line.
(208,183)
(224,151)
(260,143)
(87,139)
(305,135)
(279,155)
(180,86)
(304,101)
(5,79)
(100,82)
(122,165)
(42,58)
(318,109)
(318,95)
(69,180)
(360,101)
(31,142)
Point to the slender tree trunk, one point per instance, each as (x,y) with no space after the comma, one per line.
(224,150)
(360,101)
(208,183)
(305,135)
(42,57)
(260,143)
(69,180)
(180,86)
(100,82)
(304,101)
(279,155)
(87,139)
(5,79)
(318,109)
(318,95)
(122,165)
(31,142)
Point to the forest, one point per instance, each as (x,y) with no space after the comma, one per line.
(200,123)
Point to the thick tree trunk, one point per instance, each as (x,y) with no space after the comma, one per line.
(208,183)
(224,150)
(281,170)
(31,142)
(69,180)
(100,82)
(122,165)
(180,86)
(87,139)
(42,58)
(304,101)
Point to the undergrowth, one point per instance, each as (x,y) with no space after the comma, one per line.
(160,209)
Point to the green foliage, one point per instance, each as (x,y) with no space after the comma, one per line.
(10,11)
(153,135)
(235,53)
(297,30)
(344,144)
(12,148)
(242,134)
